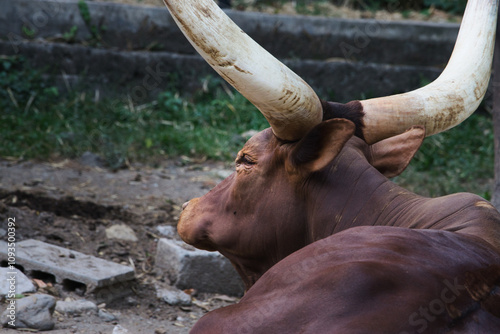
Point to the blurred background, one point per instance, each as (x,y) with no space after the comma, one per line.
(117,79)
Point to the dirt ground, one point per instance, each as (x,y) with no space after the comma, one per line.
(70,204)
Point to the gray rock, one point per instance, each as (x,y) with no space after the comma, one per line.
(75,306)
(187,267)
(17,278)
(121,232)
(30,312)
(173,296)
(106,316)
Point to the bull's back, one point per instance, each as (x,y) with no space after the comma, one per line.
(373,280)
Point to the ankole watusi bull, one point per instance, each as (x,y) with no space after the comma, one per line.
(323,241)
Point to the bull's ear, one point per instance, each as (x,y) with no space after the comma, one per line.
(321,145)
(391,156)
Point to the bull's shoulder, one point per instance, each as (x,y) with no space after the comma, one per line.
(464,213)
(371,279)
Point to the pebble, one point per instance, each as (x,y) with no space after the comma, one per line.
(173,296)
(120,330)
(106,316)
(121,232)
(22,283)
(33,312)
(73,307)
(160,331)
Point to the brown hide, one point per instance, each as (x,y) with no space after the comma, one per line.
(285,196)
(372,279)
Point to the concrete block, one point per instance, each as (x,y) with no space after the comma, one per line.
(188,267)
(70,268)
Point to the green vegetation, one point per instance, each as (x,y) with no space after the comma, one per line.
(95,31)
(28,32)
(69,36)
(84,12)
(36,121)
(460,159)
(451,6)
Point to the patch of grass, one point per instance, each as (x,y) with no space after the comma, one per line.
(38,123)
(20,85)
(460,159)
(210,124)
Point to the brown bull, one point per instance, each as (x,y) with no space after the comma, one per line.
(366,280)
(322,169)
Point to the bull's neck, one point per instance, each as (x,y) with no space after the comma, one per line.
(353,193)
(356,194)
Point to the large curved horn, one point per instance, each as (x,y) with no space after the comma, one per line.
(454,95)
(289,104)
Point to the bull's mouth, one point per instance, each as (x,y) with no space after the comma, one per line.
(192,229)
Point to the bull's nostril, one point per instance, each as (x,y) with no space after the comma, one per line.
(185,205)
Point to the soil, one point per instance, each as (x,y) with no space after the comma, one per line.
(70,204)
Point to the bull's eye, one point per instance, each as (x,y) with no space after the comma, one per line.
(244,160)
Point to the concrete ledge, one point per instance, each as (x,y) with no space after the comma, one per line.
(129,27)
(142,75)
(187,267)
(141,51)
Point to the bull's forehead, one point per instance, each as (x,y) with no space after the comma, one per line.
(260,142)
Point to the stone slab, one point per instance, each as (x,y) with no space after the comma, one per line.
(66,264)
(188,267)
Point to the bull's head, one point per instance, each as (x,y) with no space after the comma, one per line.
(272,205)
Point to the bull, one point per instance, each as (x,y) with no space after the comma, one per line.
(318,180)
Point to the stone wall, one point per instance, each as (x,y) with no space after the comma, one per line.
(138,50)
